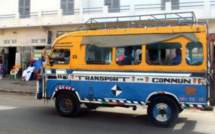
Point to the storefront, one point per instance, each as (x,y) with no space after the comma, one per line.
(10,56)
(19,46)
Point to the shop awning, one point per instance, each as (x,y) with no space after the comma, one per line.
(132,40)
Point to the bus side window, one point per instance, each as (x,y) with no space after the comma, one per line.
(194,53)
(98,55)
(163,54)
(129,55)
(60,56)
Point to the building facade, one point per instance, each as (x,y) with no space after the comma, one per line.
(26,26)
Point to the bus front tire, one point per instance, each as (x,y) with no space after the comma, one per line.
(67,104)
(163,111)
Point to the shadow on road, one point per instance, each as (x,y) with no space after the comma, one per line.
(46,120)
(121,123)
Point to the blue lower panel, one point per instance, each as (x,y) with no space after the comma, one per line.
(131,91)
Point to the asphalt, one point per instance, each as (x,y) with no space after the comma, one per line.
(21,114)
(17,86)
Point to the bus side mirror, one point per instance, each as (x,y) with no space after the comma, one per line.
(51,62)
(42,58)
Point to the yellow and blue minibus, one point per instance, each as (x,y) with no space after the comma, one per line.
(160,61)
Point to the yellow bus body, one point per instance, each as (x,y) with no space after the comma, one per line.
(77,61)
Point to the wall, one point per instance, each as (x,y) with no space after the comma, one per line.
(8,7)
(211,26)
(22,36)
(44,5)
(202,9)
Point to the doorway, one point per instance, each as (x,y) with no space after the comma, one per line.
(11,58)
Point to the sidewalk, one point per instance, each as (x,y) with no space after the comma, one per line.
(18,86)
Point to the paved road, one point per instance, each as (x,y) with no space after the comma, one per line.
(25,115)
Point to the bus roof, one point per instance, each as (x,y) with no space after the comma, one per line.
(132,30)
(133,36)
(148,20)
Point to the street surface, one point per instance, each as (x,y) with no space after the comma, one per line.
(17,86)
(21,114)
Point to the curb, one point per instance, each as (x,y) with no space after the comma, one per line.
(18,92)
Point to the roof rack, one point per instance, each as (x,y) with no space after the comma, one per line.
(150,20)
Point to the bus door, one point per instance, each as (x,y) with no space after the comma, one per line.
(57,71)
(96,85)
(212,78)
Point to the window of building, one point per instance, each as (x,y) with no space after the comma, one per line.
(60,56)
(194,53)
(59,33)
(6,41)
(13,41)
(113,5)
(42,40)
(34,41)
(130,55)
(174,4)
(98,55)
(24,8)
(67,6)
(163,54)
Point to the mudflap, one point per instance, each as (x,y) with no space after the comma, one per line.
(209,108)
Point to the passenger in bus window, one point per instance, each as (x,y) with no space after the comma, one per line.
(121,57)
(140,57)
(60,56)
(128,59)
(177,59)
(153,57)
(66,56)
(63,55)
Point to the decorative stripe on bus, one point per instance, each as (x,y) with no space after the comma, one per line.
(113,101)
(139,79)
(126,77)
(119,102)
(193,106)
(130,73)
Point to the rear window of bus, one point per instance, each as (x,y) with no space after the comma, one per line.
(194,53)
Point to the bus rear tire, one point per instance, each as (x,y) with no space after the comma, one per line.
(67,104)
(163,111)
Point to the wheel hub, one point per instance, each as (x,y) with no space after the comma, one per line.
(67,104)
(162,112)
